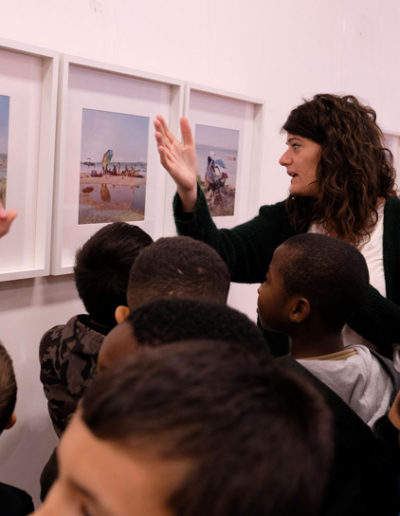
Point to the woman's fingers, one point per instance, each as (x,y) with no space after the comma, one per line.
(186,132)
(162,127)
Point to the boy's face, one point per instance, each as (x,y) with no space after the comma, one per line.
(118,344)
(101,478)
(273,300)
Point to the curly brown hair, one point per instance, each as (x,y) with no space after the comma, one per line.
(355,169)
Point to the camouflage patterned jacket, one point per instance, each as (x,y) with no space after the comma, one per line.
(68,358)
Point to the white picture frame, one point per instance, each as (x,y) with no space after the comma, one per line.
(29,77)
(392,142)
(91,85)
(234,114)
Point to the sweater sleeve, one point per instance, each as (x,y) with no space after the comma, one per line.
(247,248)
(378,321)
(61,403)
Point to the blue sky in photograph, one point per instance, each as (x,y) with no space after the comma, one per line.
(126,135)
(217,137)
(4,117)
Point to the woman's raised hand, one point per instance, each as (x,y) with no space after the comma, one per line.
(179,159)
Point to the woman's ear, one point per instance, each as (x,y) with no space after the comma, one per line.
(121,313)
(300,310)
(11,422)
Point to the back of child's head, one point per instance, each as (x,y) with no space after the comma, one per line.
(167,320)
(102,268)
(178,267)
(256,438)
(171,320)
(8,388)
(330,273)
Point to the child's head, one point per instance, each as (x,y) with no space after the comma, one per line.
(8,390)
(102,268)
(168,320)
(312,275)
(195,430)
(178,267)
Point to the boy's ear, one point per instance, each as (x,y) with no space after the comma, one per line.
(300,310)
(11,422)
(121,313)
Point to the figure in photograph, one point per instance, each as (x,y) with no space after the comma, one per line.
(4,120)
(217,149)
(113,167)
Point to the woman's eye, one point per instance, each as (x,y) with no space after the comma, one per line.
(295,146)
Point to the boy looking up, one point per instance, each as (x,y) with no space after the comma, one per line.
(313,285)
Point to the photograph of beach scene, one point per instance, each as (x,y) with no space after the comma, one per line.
(4,119)
(217,150)
(113,167)
(392,142)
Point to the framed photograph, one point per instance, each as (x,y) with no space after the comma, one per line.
(392,142)
(107,164)
(28,105)
(228,133)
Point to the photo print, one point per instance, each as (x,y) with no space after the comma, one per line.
(4,122)
(113,167)
(217,150)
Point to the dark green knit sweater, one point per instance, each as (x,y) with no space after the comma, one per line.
(248,248)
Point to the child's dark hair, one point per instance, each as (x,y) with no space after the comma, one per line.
(331,274)
(257,438)
(102,268)
(178,267)
(8,388)
(169,320)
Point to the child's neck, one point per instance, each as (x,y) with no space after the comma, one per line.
(315,342)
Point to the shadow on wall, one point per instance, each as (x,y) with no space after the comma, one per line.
(37,292)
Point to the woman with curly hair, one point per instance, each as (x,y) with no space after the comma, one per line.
(342,185)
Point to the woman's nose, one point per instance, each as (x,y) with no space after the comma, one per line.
(285,159)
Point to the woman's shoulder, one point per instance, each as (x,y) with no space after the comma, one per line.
(279,209)
(392,209)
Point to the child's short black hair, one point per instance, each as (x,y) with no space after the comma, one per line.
(102,268)
(8,388)
(331,274)
(178,267)
(257,438)
(169,320)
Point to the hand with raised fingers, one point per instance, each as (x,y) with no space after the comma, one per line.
(179,159)
(6,218)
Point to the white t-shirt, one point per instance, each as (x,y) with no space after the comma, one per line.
(356,375)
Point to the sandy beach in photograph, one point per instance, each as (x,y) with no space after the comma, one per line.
(87,179)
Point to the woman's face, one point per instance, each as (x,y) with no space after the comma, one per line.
(301,160)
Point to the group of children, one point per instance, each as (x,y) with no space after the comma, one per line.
(169,402)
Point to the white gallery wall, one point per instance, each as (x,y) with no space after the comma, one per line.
(276,51)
